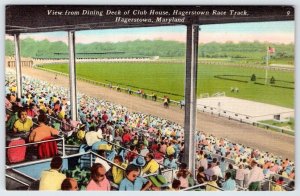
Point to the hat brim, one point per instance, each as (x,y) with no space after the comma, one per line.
(138,164)
(157,183)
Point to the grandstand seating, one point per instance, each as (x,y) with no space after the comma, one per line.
(154,132)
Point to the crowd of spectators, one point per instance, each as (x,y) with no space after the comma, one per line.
(145,144)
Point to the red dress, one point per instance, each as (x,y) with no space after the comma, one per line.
(47,149)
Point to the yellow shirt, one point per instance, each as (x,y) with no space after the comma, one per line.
(210,188)
(61,114)
(14,89)
(277,188)
(51,180)
(151,167)
(284,174)
(118,174)
(23,127)
(170,150)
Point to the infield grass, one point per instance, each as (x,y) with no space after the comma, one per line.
(165,78)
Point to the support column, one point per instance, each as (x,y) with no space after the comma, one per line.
(72,74)
(190,96)
(18,65)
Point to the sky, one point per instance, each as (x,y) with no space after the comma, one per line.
(276,32)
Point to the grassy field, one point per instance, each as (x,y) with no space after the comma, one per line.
(168,79)
(290,124)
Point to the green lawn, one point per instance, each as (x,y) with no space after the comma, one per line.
(168,79)
(290,124)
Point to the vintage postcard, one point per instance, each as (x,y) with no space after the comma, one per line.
(149,98)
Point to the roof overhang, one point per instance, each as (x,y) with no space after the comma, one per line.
(48,18)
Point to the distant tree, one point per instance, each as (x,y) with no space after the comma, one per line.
(253,77)
(9,48)
(272,81)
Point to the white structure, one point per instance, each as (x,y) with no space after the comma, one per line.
(241,109)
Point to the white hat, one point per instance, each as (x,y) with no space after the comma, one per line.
(92,137)
(102,162)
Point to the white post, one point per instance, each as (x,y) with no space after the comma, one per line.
(91,159)
(18,65)
(63,147)
(190,96)
(72,74)
(267,63)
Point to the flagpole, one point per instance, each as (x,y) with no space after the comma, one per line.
(267,63)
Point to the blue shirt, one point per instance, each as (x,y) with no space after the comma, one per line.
(242,149)
(223,166)
(229,185)
(170,164)
(223,151)
(137,185)
(95,146)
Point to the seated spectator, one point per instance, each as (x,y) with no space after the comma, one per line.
(126,137)
(232,171)
(23,124)
(144,150)
(151,165)
(163,147)
(118,173)
(278,185)
(133,181)
(240,175)
(229,184)
(170,149)
(69,184)
(154,146)
(11,118)
(183,175)
(43,130)
(98,181)
(8,101)
(216,169)
(175,185)
(170,162)
(292,174)
(255,177)
(223,166)
(52,179)
(30,112)
(212,184)
(158,156)
(209,172)
(104,116)
(203,162)
(290,186)
(201,178)
(132,154)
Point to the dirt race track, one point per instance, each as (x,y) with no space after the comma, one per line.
(269,141)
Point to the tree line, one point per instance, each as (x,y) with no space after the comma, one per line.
(148,48)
